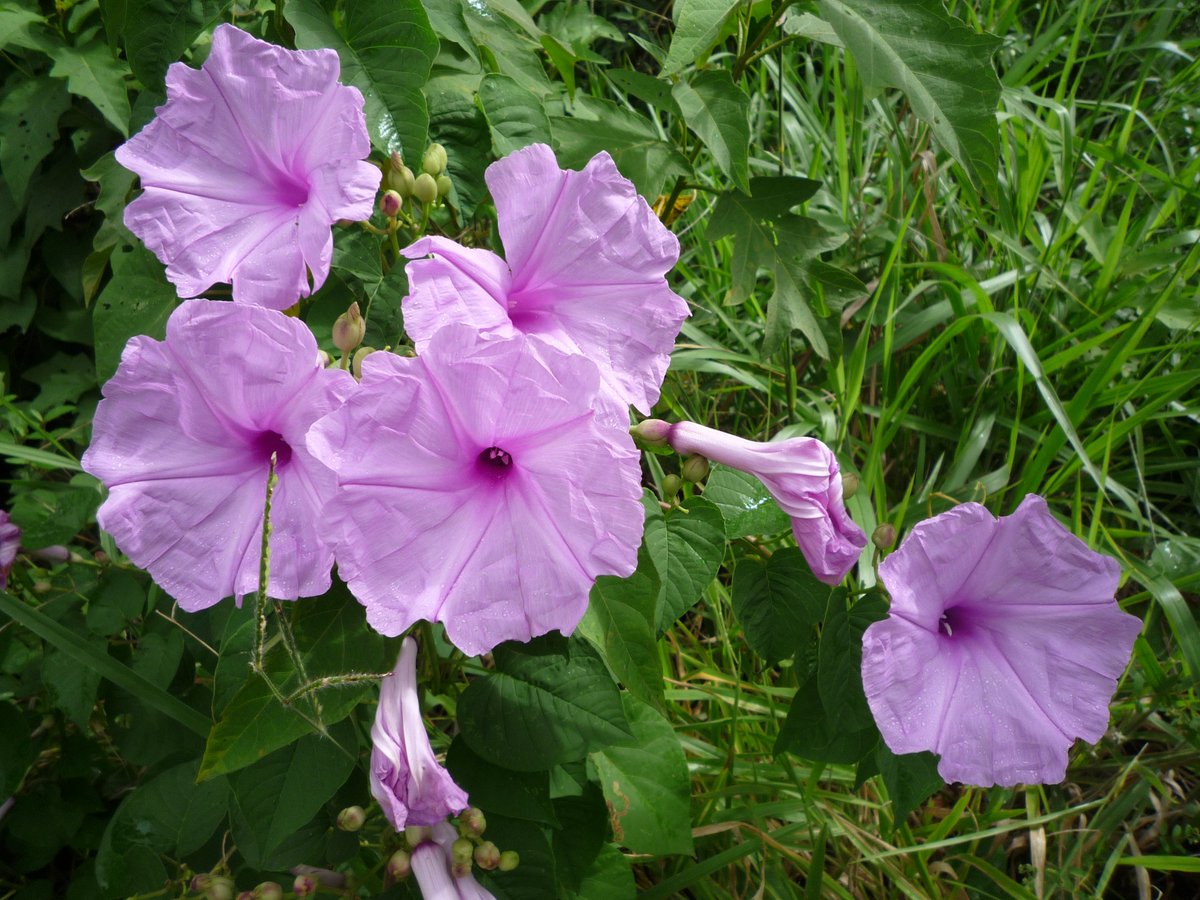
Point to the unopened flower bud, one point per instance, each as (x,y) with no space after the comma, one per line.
(884,537)
(356,361)
(400,865)
(509,860)
(425,188)
(200,883)
(416,834)
(219,888)
(400,180)
(474,821)
(304,886)
(460,870)
(269,890)
(849,485)
(349,329)
(444,184)
(653,432)
(390,203)
(435,159)
(487,855)
(396,160)
(694,468)
(670,486)
(246,895)
(461,850)
(351,818)
(56,554)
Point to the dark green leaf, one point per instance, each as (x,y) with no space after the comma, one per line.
(536,874)
(620,623)
(496,789)
(138,300)
(73,686)
(812,732)
(697,26)
(646,785)
(15,27)
(687,545)
(455,121)
(580,836)
(942,66)
(93,73)
(609,877)
(652,90)
(28,129)
(16,750)
(516,116)
(911,779)
(54,514)
(157,32)
(778,603)
(745,505)
(717,110)
(839,665)
(548,702)
(386,48)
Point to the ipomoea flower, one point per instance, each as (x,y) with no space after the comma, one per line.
(10,545)
(803,476)
(411,786)
(183,440)
(245,168)
(585,260)
(476,488)
(1003,644)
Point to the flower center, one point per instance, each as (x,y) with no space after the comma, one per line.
(494,462)
(954,620)
(267,442)
(290,190)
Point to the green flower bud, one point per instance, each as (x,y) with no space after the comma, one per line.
(219,888)
(670,487)
(461,851)
(200,883)
(435,159)
(425,188)
(268,890)
(487,856)
(651,432)
(416,834)
(396,160)
(400,865)
(349,329)
(474,821)
(509,860)
(357,360)
(849,485)
(461,870)
(305,885)
(443,185)
(352,817)
(390,203)
(694,468)
(400,180)
(246,895)
(884,537)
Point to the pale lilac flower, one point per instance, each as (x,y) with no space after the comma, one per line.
(584,267)
(411,786)
(10,545)
(1003,644)
(477,489)
(803,476)
(246,166)
(183,442)
(433,864)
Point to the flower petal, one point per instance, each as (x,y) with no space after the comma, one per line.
(451,283)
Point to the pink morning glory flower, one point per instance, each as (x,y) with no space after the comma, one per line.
(411,786)
(803,476)
(183,440)
(478,489)
(10,545)
(246,166)
(585,260)
(1003,644)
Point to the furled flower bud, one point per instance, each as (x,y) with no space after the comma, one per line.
(670,486)
(401,181)
(434,161)
(390,203)
(849,485)
(509,860)
(400,865)
(461,851)
(652,432)
(351,818)
(416,834)
(487,855)
(474,821)
(884,537)
(425,188)
(460,869)
(219,888)
(349,329)
(269,890)
(201,882)
(304,885)
(396,160)
(356,361)
(246,895)
(694,468)
(444,184)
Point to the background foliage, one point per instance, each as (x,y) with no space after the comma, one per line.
(971,287)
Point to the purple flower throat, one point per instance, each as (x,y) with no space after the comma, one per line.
(267,442)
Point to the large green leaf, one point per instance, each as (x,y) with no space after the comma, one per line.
(456,121)
(137,300)
(28,129)
(497,789)
(515,116)
(839,657)
(911,779)
(815,732)
(387,49)
(157,32)
(646,785)
(333,639)
(717,110)
(942,66)
(272,799)
(687,545)
(548,702)
(93,73)
(746,506)
(778,603)
(697,26)
(620,622)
